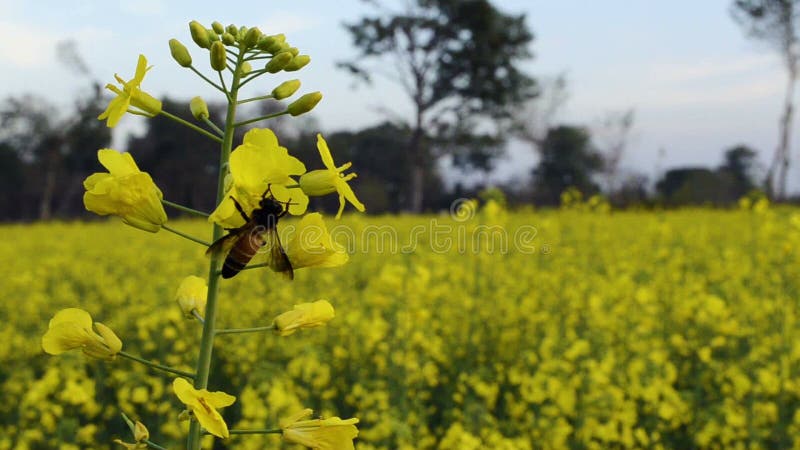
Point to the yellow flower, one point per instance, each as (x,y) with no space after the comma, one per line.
(258,163)
(312,246)
(304,315)
(323,434)
(191,295)
(71,328)
(130,94)
(140,435)
(330,180)
(203,404)
(125,191)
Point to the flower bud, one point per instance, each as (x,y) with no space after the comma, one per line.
(179,53)
(304,104)
(276,43)
(191,295)
(278,62)
(245,68)
(297,63)
(219,59)
(304,315)
(217,27)
(111,340)
(199,108)
(140,432)
(213,37)
(252,36)
(199,34)
(232,29)
(228,39)
(285,89)
(293,50)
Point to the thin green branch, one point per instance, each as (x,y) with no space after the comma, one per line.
(185,236)
(192,126)
(184,208)
(255,99)
(212,125)
(152,444)
(156,365)
(253,75)
(257,56)
(222,81)
(208,80)
(198,316)
(245,330)
(258,119)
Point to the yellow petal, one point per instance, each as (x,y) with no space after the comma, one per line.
(218,399)
(141,69)
(297,199)
(111,340)
(185,391)
(118,164)
(325,153)
(64,337)
(72,315)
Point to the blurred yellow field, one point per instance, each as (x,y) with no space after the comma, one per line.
(595,330)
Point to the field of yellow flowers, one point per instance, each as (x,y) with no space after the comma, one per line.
(574,328)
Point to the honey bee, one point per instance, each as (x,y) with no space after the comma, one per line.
(259,230)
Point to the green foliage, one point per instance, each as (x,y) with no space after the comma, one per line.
(567,160)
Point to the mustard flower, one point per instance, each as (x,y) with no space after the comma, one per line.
(312,246)
(125,191)
(304,315)
(323,434)
(330,180)
(130,94)
(71,329)
(191,295)
(203,404)
(140,435)
(260,163)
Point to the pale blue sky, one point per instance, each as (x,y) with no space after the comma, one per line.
(697,85)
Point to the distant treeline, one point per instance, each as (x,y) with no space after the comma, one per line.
(44,159)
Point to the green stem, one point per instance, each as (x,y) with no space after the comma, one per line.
(245,330)
(185,236)
(152,444)
(212,125)
(156,365)
(192,126)
(222,81)
(207,80)
(268,116)
(253,75)
(198,316)
(183,208)
(272,431)
(254,99)
(207,340)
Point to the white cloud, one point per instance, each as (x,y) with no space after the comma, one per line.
(29,46)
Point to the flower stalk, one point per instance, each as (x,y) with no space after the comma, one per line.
(156,365)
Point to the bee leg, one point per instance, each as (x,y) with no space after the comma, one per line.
(240,209)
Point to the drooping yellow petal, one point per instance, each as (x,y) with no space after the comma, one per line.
(304,315)
(203,404)
(312,246)
(322,434)
(330,180)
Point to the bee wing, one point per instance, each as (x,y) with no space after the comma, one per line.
(224,244)
(276,255)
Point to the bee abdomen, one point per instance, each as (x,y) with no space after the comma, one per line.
(242,252)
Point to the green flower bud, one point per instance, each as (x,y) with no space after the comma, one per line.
(285,89)
(276,43)
(218,57)
(199,34)
(304,104)
(232,29)
(179,53)
(278,62)
(199,108)
(293,50)
(297,63)
(217,27)
(241,33)
(264,42)
(213,37)
(251,37)
(228,39)
(245,68)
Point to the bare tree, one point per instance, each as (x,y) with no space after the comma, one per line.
(539,113)
(775,22)
(612,136)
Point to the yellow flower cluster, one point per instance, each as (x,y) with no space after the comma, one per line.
(684,334)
